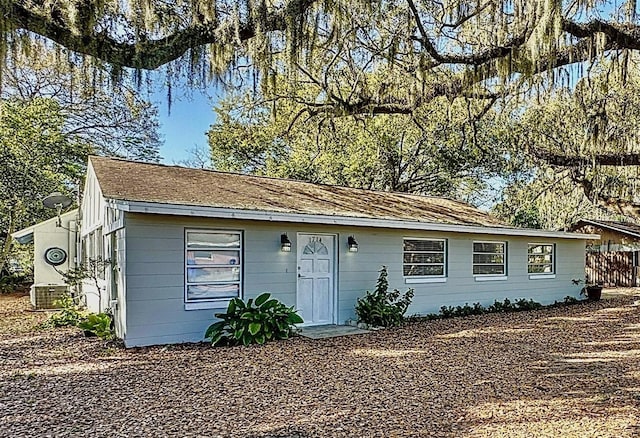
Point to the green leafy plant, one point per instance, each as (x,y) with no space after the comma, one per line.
(506,306)
(12,282)
(383,308)
(69,314)
(569,300)
(522,305)
(98,324)
(253,322)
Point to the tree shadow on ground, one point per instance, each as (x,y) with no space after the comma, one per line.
(556,372)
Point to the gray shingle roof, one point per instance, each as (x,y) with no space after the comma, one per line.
(134,181)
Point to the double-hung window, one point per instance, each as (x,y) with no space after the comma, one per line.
(424,259)
(490,259)
(541,258)
(213,267)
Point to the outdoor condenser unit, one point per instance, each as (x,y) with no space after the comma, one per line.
(43,296)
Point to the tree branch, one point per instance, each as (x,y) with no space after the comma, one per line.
(144,54)
(624,36)
(559,160)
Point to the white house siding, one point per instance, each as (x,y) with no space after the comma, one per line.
(97,222)
(47,235)
(155,311)
(92,209)
(115,281)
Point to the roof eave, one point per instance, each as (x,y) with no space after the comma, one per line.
(30,229)
(611,227)
(226,213)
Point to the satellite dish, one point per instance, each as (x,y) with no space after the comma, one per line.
(56,200)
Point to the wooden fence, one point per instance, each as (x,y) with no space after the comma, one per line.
(612,268)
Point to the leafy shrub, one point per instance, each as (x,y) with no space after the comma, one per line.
(498,307)
(568,301)
(505,306)
(68,315)
(383,308)
(466,310)
(98,324)
(255,322)
(12,282)
(522,305)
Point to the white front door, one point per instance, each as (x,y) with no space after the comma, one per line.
(316,265)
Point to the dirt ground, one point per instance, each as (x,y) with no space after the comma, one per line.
(570,372)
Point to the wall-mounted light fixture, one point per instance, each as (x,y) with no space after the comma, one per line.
(353,245)
(285,243)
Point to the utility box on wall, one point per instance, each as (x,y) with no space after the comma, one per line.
(44,295)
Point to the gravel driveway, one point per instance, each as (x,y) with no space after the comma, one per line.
(570,372)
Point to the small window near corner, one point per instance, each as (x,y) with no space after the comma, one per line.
(213,268)
(424,260)
(541,259)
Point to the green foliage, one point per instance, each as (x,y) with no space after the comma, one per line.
(36,160)
(69,314)
(389,152)
(506,306)
(50,121)
(563,135)
(98,324)
(383,308)
(568,301)
(254,322)
(12,282)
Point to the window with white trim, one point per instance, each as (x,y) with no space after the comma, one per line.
(541,258)
(99,252)
(213,265)
(424,258)
(490,258)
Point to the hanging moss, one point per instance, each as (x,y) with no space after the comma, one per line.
(338,44)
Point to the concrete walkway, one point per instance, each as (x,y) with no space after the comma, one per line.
(330,331)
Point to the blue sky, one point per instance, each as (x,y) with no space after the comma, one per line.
(184,127)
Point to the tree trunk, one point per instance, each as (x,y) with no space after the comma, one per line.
(6,247)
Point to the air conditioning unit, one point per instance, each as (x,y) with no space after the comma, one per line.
(43,295)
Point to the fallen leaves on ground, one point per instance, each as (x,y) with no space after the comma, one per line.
(570,372)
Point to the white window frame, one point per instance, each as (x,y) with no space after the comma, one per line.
(490,277)
(214,303)
(89,243)
(409,279)
(542,275)
(99,254)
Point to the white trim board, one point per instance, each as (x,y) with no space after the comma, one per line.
(227,213)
